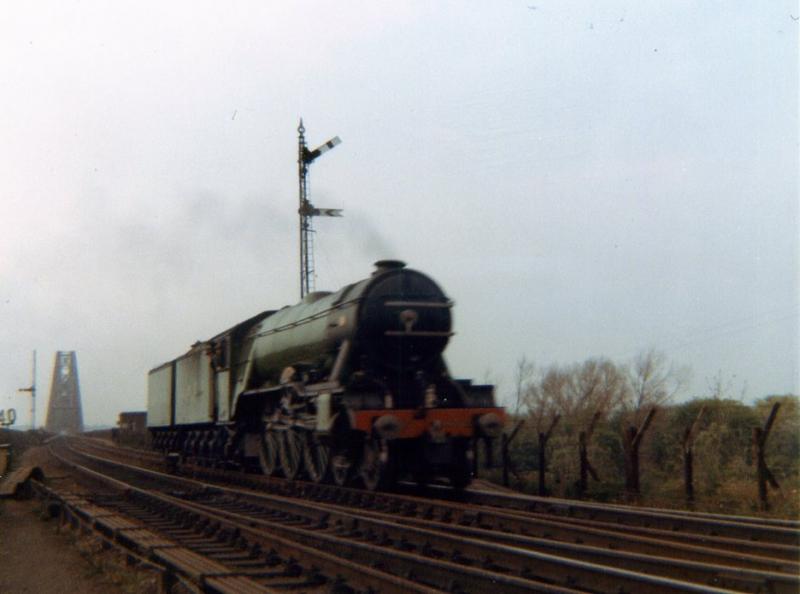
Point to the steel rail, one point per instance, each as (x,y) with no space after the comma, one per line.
(558,530)
(508,519)
(604,539)
(728,526)
(496,560)
(499,518)
(362,577)
(525,502)
(510,556)
(481,486)
(742,546)
(509,551)
(399,565)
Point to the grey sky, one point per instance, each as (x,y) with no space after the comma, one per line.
(584,179)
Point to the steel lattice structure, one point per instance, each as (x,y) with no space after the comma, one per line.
(307,210)
(64,413)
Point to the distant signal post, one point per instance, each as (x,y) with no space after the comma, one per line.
(307,210)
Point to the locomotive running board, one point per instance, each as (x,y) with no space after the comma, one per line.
(430,304)
(423,333)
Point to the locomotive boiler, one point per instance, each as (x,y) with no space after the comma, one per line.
(349,386)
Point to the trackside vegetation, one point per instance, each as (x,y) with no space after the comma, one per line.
(608,403)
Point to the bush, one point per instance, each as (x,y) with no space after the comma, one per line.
(725,475)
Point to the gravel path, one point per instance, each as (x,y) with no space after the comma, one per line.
(36,557)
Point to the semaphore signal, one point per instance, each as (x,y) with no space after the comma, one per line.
(307,210)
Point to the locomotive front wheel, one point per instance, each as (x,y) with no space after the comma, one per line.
(316,458)
(460,476)
(268,452)
(341,466)
(460,471)
(290,453)
(376,468)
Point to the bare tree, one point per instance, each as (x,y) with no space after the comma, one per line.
(583,389)
(545,397)
(524,374)
(721,387)
(601,387)
(652,382)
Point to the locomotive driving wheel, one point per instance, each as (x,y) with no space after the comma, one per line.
(316,458)
(290,452)
(341,466)
(376,469)
(268,451)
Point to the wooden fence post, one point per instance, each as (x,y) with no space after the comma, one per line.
(475,456)
(543,438)
(6,458)
(632,441)
(759,443)
(488,454)
(506,459)
(586,467)
(505,441)
(688,457)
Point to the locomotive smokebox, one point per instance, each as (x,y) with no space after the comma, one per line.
(404,320)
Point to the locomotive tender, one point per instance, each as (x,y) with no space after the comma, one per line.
(348,386)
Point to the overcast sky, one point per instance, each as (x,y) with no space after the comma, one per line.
(582,178)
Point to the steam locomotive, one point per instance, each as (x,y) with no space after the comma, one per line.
(349,387)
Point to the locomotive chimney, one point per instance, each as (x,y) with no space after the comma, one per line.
(386,265)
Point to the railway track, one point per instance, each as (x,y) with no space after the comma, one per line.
(496,510)
(321,557)
(461,545)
